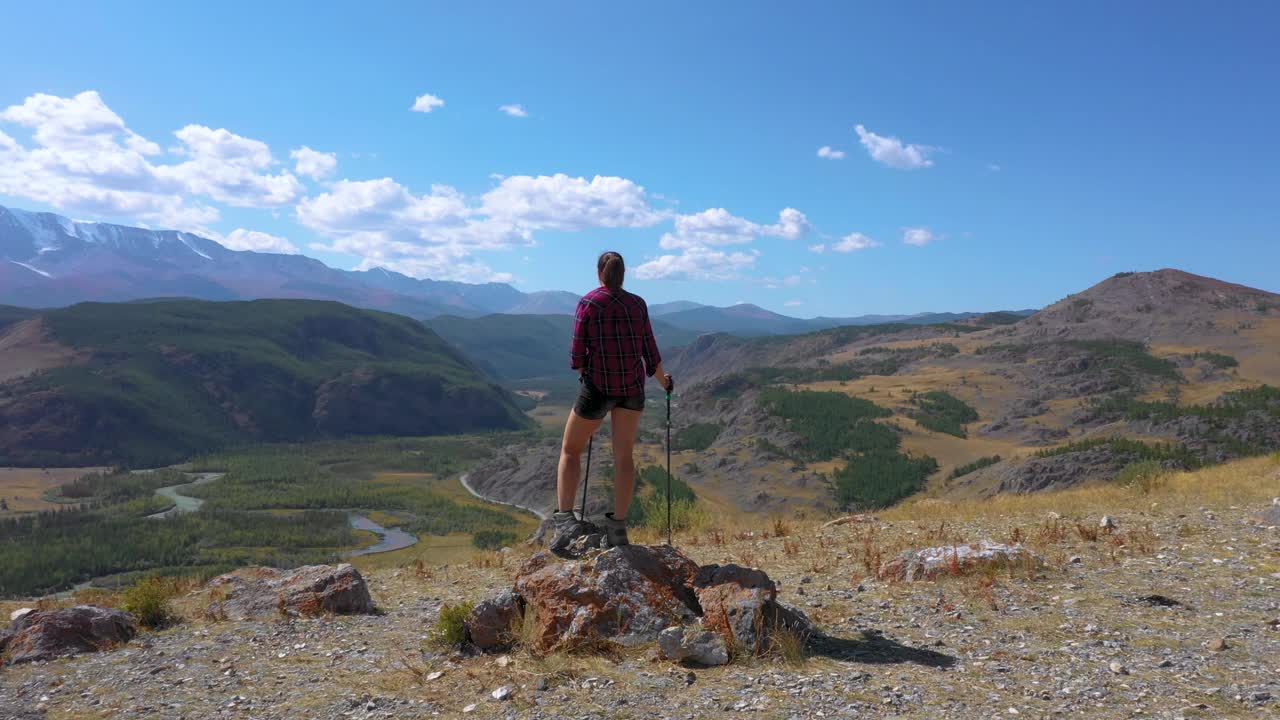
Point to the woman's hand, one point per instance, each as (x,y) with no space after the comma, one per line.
(663,379)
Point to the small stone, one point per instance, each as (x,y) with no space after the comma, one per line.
(1217,645)
(1107,523)
(1165,663)
(543,684)
(1075,560)
(469,708)
(1118,669)
(503,692)
(690,678)
(503,661)
(435,675)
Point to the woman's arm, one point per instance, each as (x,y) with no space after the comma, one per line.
(653,358)
(578,349)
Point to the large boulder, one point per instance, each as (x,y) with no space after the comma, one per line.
(933,562)
(491,622)
(49,634)
(626,595)
(260,592)
(630,595)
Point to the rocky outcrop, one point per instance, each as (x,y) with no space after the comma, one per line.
(629,596)
(1270,517)
(933,562)
(306,591)
(49,634)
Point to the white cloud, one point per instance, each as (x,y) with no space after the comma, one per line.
(241,239)
(697,263)
(918,236)
(891,151)
(788,281)
(426,103)
(436,234)
(818,248)
(515,110)
(717,226)
(793,303)
(560,202)
(230,168)
(994,167)
(830,153)
(313,163)
(854,242)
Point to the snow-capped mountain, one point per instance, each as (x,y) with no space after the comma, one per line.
(48,260)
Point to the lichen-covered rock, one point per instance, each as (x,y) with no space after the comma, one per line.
(933,562)
(626,595)
(311,590)
(704,648)
(49,634)
(490,624)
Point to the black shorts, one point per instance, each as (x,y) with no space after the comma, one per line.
(594,405)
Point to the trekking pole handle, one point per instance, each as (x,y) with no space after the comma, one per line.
(671,386)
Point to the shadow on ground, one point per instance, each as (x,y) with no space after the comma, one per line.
(871,647)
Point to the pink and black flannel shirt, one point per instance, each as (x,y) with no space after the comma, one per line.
(613,342)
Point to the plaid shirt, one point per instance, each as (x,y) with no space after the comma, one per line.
(613,342)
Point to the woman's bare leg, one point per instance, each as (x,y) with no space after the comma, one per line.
(625,425)
(577,431)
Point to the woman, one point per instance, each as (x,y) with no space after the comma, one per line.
(613,351)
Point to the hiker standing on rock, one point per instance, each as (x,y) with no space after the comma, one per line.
(614,351)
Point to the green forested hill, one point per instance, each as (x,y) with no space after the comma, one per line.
(512,348)
(160,381)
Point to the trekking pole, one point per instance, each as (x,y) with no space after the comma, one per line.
(585,477)
(671,386)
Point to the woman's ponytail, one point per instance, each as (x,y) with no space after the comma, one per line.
(611,269)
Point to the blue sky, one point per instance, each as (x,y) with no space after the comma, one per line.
(1025,150)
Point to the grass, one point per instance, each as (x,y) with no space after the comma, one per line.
(450,629)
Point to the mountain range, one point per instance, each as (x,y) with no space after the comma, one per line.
(48,260)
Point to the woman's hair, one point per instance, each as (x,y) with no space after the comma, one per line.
(611,269)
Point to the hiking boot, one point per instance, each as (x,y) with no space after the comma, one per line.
(615,532)
(569,527)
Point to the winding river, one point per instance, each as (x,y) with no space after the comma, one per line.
(388,538)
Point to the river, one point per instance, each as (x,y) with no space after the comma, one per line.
(388,538)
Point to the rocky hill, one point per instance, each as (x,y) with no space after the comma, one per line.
(1104,602)
(154,382)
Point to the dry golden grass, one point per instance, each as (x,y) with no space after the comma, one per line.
(23,488)
(1252,481)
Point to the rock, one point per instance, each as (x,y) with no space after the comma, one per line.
(490,624)
(503,692)
(1118,668)
(49,634)
(16,614)
(932,562)
(626,595)
(261,592)
(543,684)
(1217,645)
(704,648)
(741,604)
(1107,523)
(1269,517)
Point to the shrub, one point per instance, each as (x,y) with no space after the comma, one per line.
(696,437)
(943,412)
(148,601)
(962,470)
(493,539)
(881,478)
(830,423)
(1143,475)
(450,629)
(1218,360)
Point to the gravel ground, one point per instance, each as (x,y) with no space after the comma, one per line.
(1173,614)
